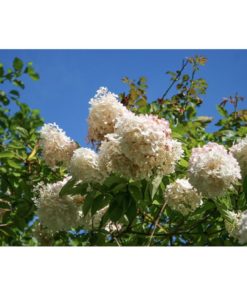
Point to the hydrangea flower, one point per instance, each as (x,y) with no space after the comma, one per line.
(239,151)
(146,141)
(56,146)
(55,212)
(237,228)
(212,171)
(112,160)
(84,166)
(182,197)
(104,110)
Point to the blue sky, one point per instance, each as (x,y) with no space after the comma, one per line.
(69,78)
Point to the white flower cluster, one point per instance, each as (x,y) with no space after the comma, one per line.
(212,171)
(182,197)
(55,212)
(84,166)
(133,146)
(237,228)
(56,146)
(112,160)
(140,147)
(240,153)
(113,227)
(105,109)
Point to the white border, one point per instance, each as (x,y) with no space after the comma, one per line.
(123,24)
(128,24)
(122,271)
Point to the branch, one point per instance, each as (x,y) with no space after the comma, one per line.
(157,222)
(179,73)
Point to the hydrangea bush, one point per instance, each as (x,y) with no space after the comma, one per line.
(154,175)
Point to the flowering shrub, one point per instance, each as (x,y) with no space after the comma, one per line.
(153,176)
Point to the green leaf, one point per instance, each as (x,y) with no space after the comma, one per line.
(115,211)
(19,83)
(245,186)
(113,181)
(14,164)
(183,163)
(155,185)
(1,70)
(186,77)
(222,111)
(135,191)
(67,188)
(87,204)
(15,93)
(22,131)
(17,64)
(98,203)
(31,72)
(191,112)
(131,212)
(7,154)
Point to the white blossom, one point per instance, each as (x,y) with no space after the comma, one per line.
(237,226)
(84,165)
(182,197)
(239,151)
(113,227)
(56,146)
(146,141)
(212,171)
(104,110)
(112,160)
(55,212)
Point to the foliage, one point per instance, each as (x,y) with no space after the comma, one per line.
(138,206)
(20,163)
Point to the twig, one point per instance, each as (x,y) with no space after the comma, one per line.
(117,241)
(179,73)
(157,222)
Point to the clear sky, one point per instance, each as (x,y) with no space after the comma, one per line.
(69,78)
